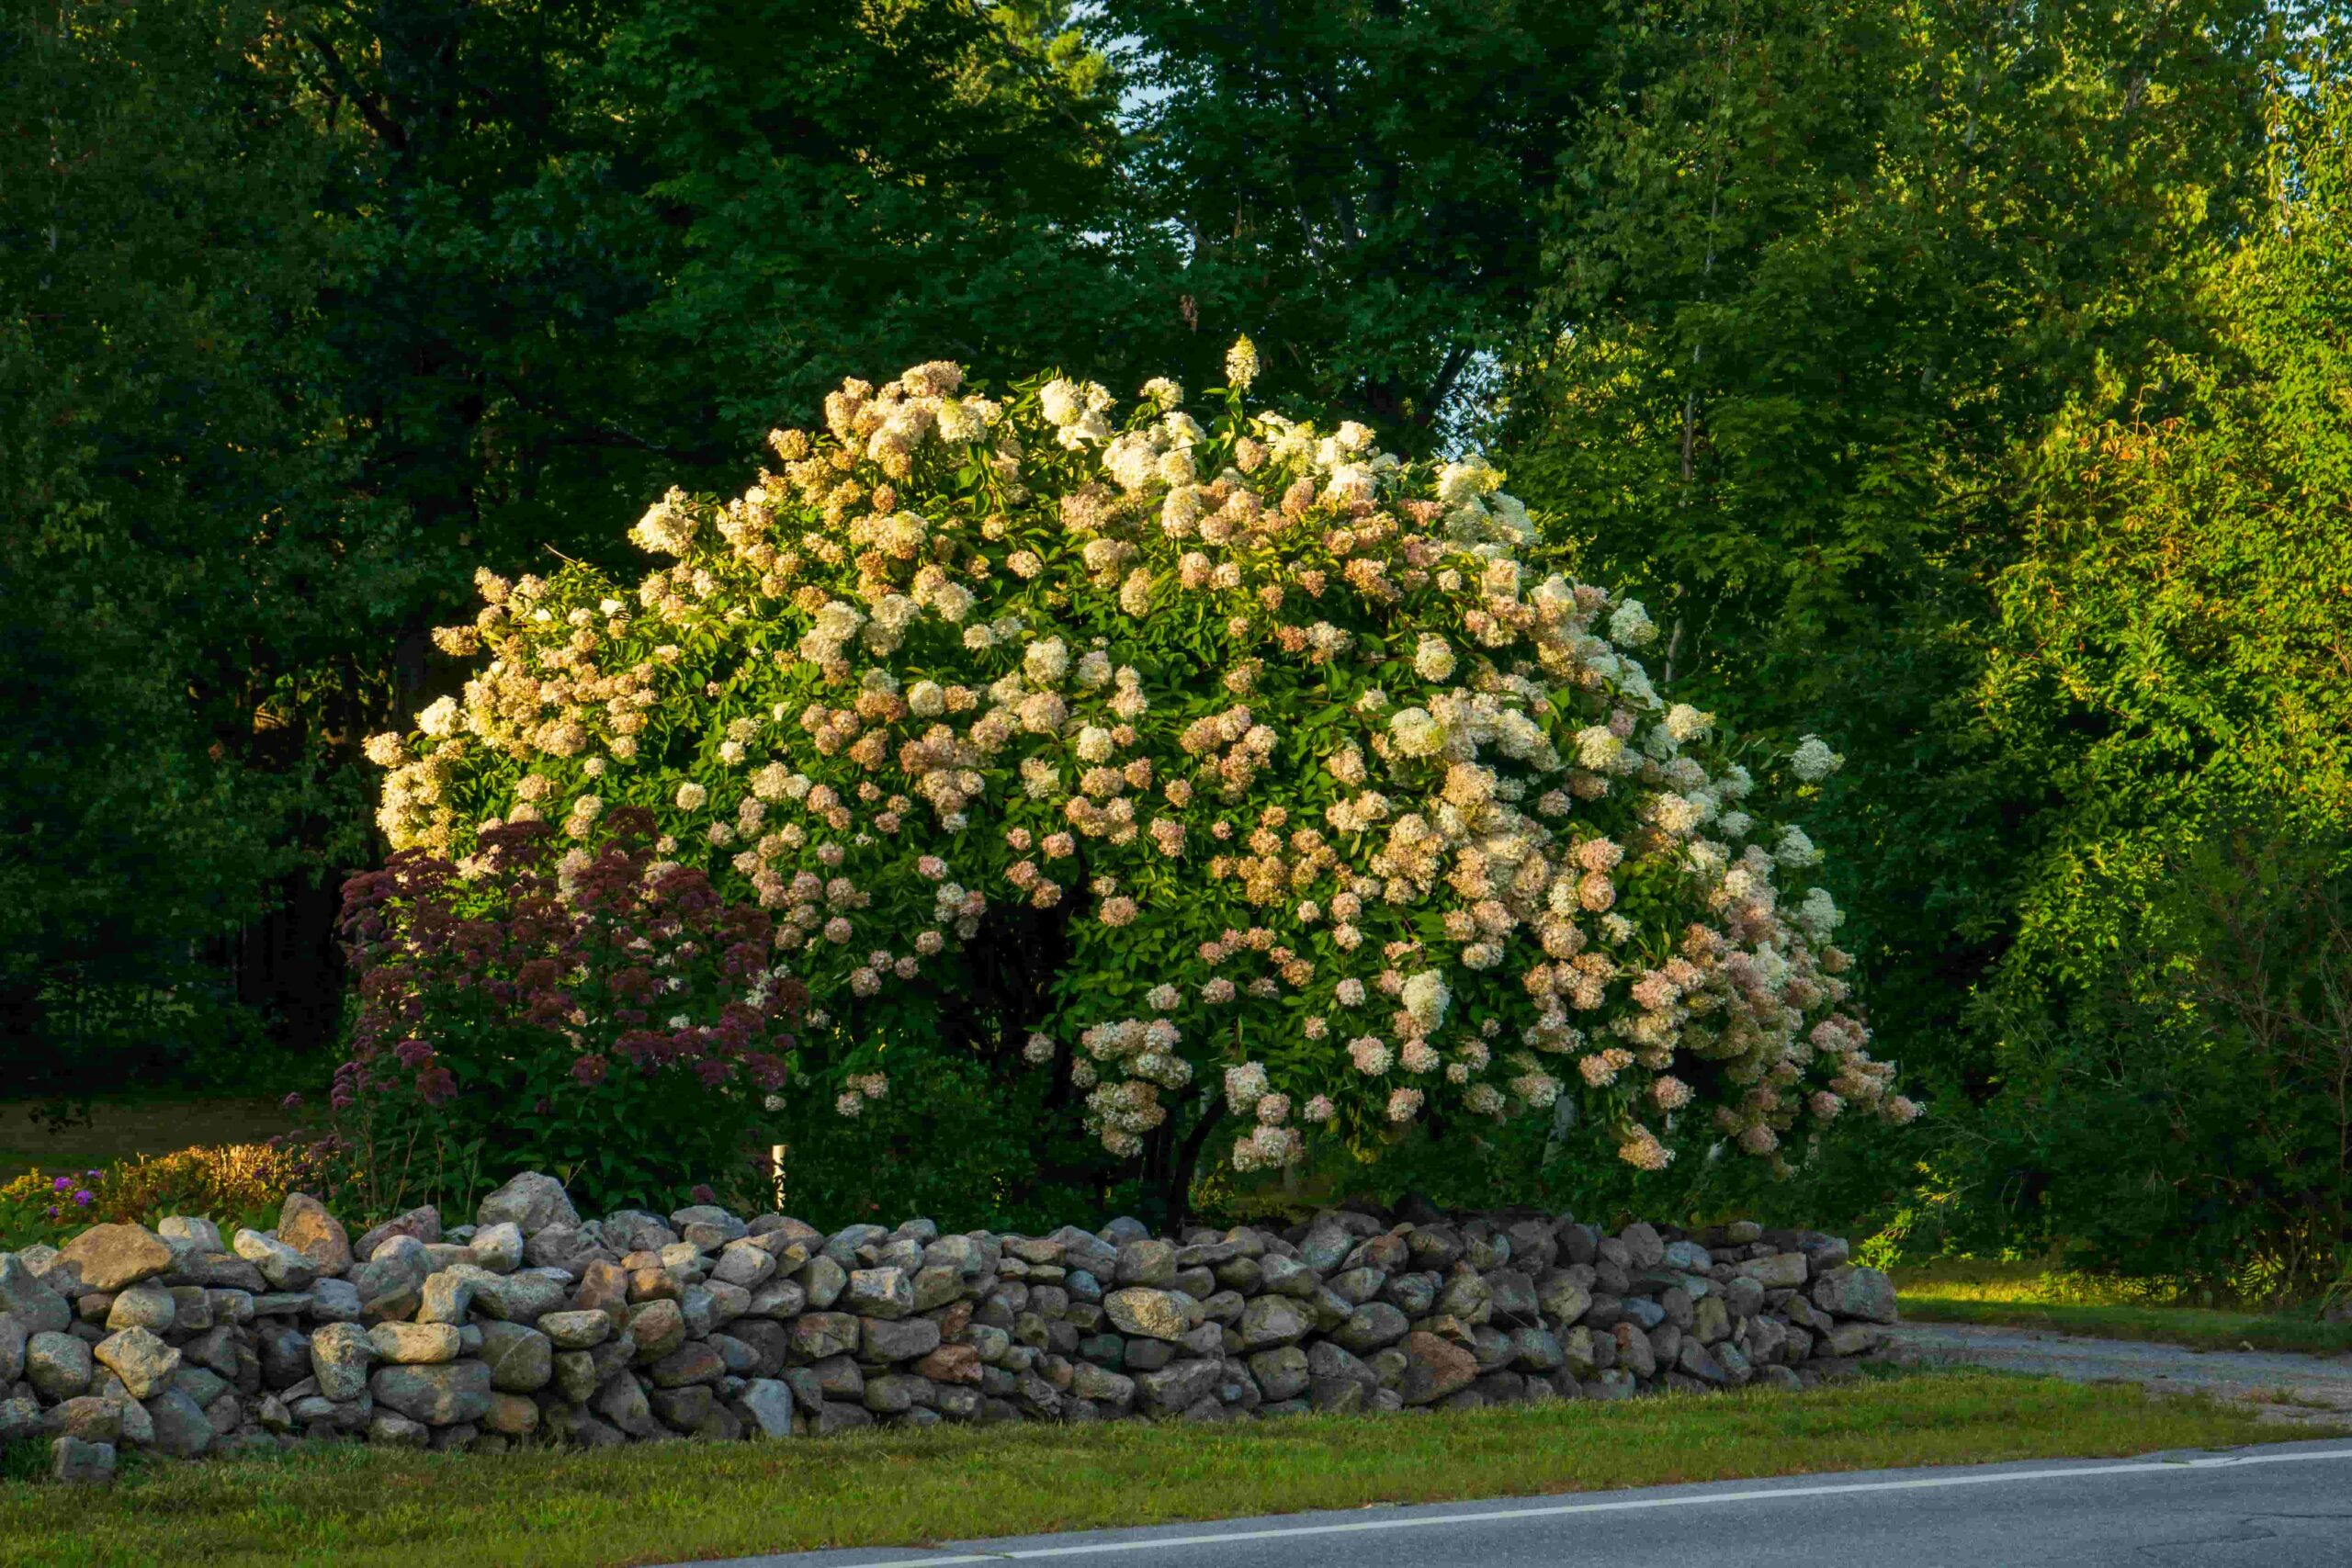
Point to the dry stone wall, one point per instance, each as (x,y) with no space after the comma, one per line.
(533,1325)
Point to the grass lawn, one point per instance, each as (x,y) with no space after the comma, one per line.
(2029,1297)
(356,1507)
(120,1129)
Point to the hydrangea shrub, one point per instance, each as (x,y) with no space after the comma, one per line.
(1262,786)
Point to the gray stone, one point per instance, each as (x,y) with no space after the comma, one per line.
(414,1344)
(525,1296)
(1282,1373)
(1178,1386)
(766,1406)
(1434,1368)
(181,1429)
(1150,1314)
(150,1306)
(576,1330)
(1853,1339)
(304,1225)
(284,1267)
(904,1340)
(57,1365)
(1696,1360)
(390,1285)
(824,1279)
(439,1396)
(13,1334)
(90,1417)
(744,1263)
(190,1232)
(1777,1271)
(1851,1291)
(530,1201)
(498,1248)
(880,1293)
(143,1362)
(114,1258)
(335,1301)
(1536,1350)
(521,1359)
(1270,1321)
(1372,1327)
(659,1328)
(818,1335)
(74,1462)
(1687,1257)
(422,1225)
(29,1301)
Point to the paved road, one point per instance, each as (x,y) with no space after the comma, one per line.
(2283,1506)
(2280,1386)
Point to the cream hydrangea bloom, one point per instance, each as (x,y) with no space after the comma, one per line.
(1333,789)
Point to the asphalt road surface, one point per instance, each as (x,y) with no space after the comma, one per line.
(2288,1506)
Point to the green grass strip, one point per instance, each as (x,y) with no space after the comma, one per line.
(2201,1328)
(356,1508)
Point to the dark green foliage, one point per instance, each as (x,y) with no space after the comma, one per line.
(1353,182)
(1982,422)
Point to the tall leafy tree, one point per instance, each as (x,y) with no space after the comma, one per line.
(1351,181)
(1818,278)
(175,550)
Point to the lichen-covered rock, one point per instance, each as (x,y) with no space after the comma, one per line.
(414,1344)
(304,1225)
(114,1258)
(1152,1314)
(1851,1291)
(28,1299)
(282,1265)
(74,1462)
(532,1202)
(143,1361)
(439,1396)
(57,1366)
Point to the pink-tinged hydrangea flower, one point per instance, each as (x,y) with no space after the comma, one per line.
(1423,744)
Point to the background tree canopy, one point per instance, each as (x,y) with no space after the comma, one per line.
(1961,381)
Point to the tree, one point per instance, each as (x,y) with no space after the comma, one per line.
(1814,286)
(1349,181)
(2171,657)
(174,549)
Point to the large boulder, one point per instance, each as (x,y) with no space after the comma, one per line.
(440,1396)
(304,1225)
(143,1362)
(531,1201)
(1852,1291)
(1148,1312)
(1434,1368)
(114,1258)
(28,1299)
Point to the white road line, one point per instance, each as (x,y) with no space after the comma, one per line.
(1761,1493)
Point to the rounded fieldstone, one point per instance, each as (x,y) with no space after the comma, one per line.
(114,1258)
(1150,1314)
(521,1359)
(531,1201)
(150,1306)
(414,1344)
(442,1394)
(1371,1327)
(57,1366)
(576,1330)
(143,1362)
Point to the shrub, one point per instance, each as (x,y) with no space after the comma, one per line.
(241,1182)
(1258,786)
(612,1019)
